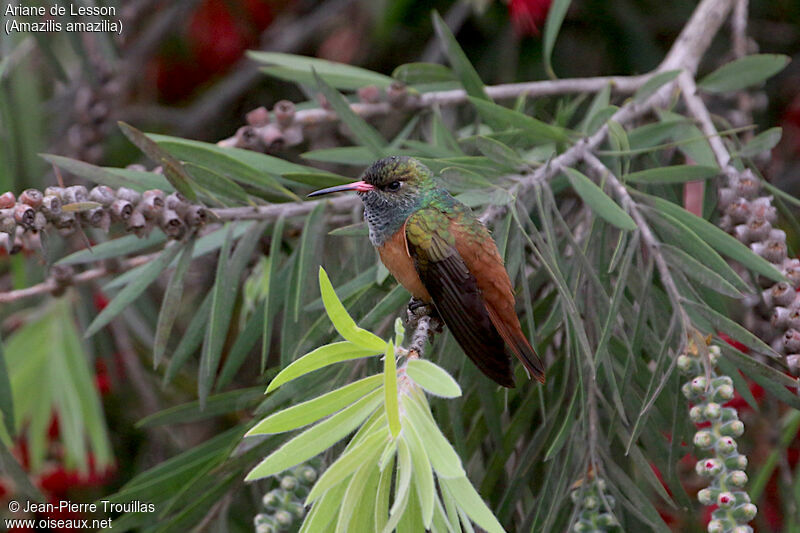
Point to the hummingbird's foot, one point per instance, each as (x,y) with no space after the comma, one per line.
(416,310)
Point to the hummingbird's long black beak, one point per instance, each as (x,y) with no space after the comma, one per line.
(359,186)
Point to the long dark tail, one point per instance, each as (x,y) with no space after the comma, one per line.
(519,346)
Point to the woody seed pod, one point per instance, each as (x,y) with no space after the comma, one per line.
(258,117)
(7,200)
(24,215)
(129,195)
(39,221)
(135,221)
(284,113)
(152,203)
(196,215)
(121,209)
(31,197)
(172,224)
(76,193)
(93,216)
(103,195)
(51,205)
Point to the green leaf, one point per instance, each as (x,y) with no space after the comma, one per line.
(365,134)
(499,153)
(271,301)
(364,453)
(402,485)
(423,475)
(319,358)
(731,328)
(564,430)
(312,410)
(6,399)
(698,271)
(191,339)
(343,322)
(443,457)
(676,233)
(243,166)
(433,378)
(672,174)
(555,17)
(599,202)
(763,142)
(126,296)
(535,130)
(324,511)
(11,468)
(718,239)
(458,60)
(226,286)
(317,180)
(743,72)
(653,84)
(129,244)
(217,186)
(381,511)
(299,69)
(317,439)
(171,303)
(412,73)
(472,504)
(313,233)
(219,404)
(356,512)
(173,169)
(113,177)
(390,390)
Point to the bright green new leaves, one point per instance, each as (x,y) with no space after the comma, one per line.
(317,439)
(300,69)
(342,321)
(743,72)
(598,201)
(433,378)
(390,389)
(316,409)
(319,358)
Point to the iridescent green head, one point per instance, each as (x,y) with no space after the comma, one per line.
(392,189)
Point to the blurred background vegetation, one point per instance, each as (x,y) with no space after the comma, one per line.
(179,68)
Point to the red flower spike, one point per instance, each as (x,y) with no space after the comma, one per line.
(527,16)
(736,344)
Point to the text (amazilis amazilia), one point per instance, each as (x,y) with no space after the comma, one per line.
(436,248)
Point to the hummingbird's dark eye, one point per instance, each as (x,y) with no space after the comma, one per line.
(393,186)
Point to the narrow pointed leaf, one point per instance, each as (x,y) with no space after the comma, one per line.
(365,134)
(317,439)
(319,358)
(718,239)
(472,504)
(743,72)
(126,296)
(555,17)
(390,390)
(6,401)
(129,244)
(763,142)
(458,60)
(653,84)
(433,378)
(173,168)
(171,303)
(312,410)
(698,271)
(300,69)
(673,174)
(598,201)
(423,475)
(271,301)
(534,129)
(342,321)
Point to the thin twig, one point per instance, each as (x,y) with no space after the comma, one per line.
(647,234)
(51,285)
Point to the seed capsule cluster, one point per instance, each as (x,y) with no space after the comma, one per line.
(283,506)
(595,506)
(724,467)
(283,127)
(65,208)
(750,217)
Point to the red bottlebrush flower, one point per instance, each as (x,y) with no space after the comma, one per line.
(53,431)
(528,15)
(3,490)
(101,379)
(736,344)
(100,301)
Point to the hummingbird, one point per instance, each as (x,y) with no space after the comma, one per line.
(444,256)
